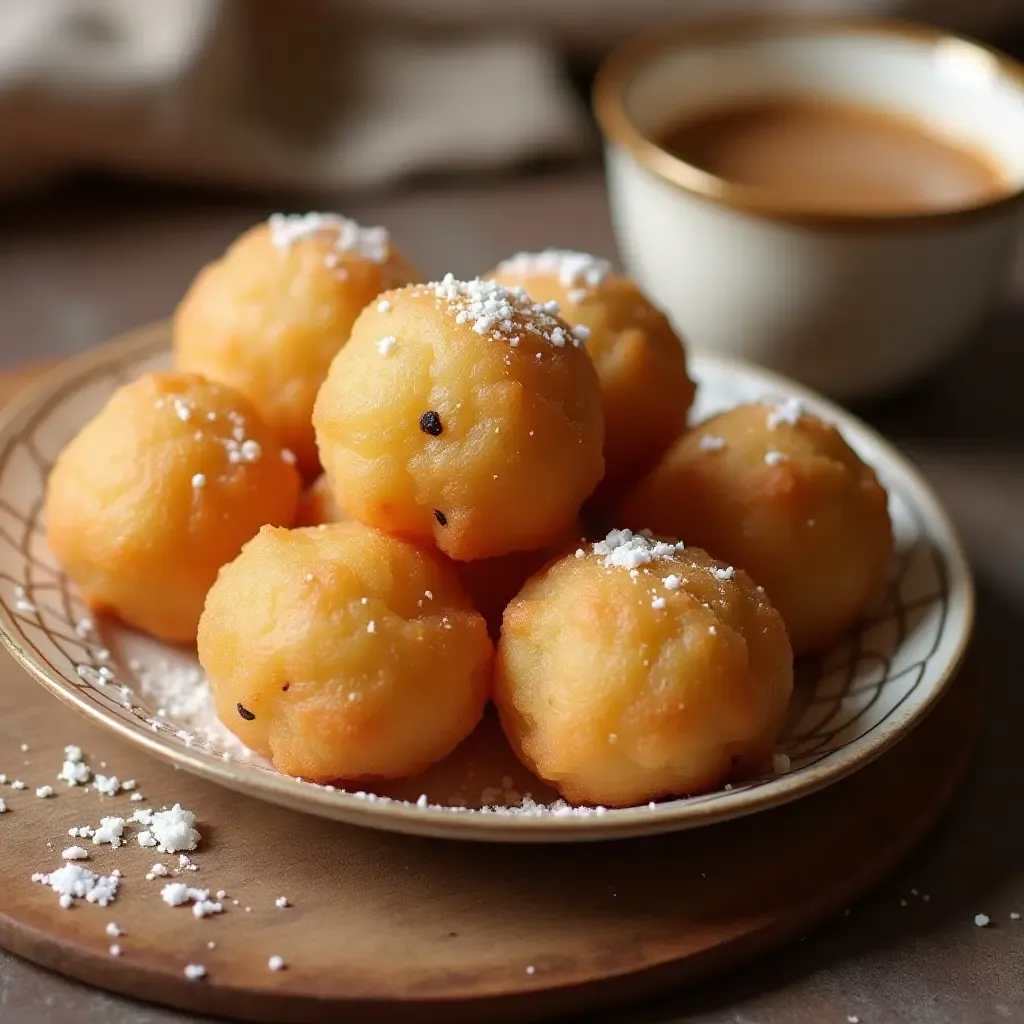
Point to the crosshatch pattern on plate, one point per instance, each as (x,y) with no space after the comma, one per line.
(861,686)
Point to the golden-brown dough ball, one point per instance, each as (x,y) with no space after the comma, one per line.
(493,582)
(342,653)
(159,491)
(318,504)
(461,414)
(780,494)
(270,315)
(640,361)
(636,669)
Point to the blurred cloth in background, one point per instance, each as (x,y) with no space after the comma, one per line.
(327,94)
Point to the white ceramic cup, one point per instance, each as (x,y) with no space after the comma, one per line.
(848,303)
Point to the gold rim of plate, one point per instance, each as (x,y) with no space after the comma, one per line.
(46,397)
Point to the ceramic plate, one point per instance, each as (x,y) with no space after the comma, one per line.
(849,705)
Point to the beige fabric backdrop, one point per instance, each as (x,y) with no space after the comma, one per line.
(325,93)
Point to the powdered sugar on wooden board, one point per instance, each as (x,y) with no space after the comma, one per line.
(169,830)
(74,882)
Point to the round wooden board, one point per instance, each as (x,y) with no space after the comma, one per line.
(387,928)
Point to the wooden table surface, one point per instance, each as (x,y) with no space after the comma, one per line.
(81,266)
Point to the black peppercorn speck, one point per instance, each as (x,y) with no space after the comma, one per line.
(430,423)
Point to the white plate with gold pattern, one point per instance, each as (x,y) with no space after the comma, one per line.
(849,705)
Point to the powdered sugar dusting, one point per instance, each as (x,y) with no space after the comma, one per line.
(627,550)
(788,412)
(579,271)
(372,243)
(499,313)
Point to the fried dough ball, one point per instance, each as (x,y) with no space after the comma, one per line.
(159,491)
(342,653)
(461,414)
(318,505)
(270,315)
(779,493)
(640,361)
(493,582)
(636,669)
